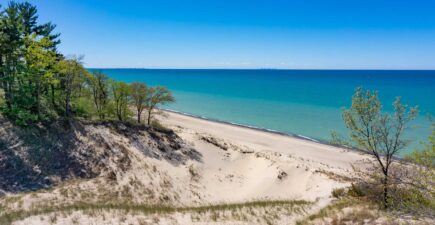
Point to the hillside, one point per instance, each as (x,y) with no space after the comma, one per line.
(121,173)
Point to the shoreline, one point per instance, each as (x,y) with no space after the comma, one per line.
(265,130)
(304,151)
(270,131)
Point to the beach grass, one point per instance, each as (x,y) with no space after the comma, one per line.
(10,217)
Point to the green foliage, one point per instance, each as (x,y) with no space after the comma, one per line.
(121,92)
(157,96)
(84,107)
(21,116)
(99,85)
(375,131)
(417,192)
(379,133)
(38,83)
(2,95)
(139,95)
(27,53)
(426,156)
(71,75)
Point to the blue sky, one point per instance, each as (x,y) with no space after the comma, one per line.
(309,34)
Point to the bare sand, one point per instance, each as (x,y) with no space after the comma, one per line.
(242,164)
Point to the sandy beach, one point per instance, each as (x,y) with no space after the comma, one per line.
(243,164)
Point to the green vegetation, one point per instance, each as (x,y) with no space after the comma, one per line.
(139,93)
(121,99)
(38,83)
(157,96)
(399,184)
(381,134)
(417,194)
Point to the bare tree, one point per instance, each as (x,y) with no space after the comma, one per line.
(381,134)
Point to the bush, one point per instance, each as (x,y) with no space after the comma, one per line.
(20,116)
(2,96)
(84,107)
(158,126)
(362,189)
(339,192)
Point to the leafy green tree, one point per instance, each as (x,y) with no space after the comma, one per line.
(381,134)
(139,93)
(121,97)
(11,51)
(99,85)
(157,96)
(27,55)
(39,60)
(71,76)
(37,82)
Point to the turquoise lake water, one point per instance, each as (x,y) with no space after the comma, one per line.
(303,102)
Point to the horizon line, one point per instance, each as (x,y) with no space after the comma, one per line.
(343,69)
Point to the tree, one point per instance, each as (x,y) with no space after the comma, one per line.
(11,43)
(98,83)
(121,97)
(139,92)
(157,96)
(39,60)
(381,134)
(71,74)
(27,55)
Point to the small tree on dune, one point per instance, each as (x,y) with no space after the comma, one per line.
(139,92)
(157,96)
(98,83)
(71,73)
(121,98)
(381,134)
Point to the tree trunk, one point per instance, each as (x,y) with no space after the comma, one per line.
(385,183)
(4,85)
(52,96)
(67,106)
(7,94)
(138,116)
(149,117)
(38,99)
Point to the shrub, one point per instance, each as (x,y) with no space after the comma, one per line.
(339,192)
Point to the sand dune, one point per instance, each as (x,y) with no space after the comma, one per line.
(211,165)
(242,164)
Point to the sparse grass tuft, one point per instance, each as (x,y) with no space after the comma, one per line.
(339,192)
(194,174)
